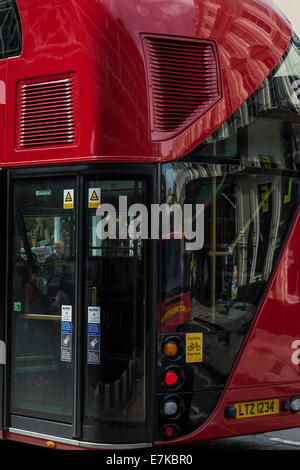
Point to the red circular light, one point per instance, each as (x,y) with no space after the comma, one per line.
(169,431)
(171,378)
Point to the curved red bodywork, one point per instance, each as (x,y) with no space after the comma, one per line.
(175,311)
(268,365)
(100,41)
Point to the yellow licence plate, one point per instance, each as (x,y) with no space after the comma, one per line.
(257,408)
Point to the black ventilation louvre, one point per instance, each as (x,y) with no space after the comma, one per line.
(183,80)
(47,112)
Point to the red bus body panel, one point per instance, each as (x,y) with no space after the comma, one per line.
(269,362)
(100,42)
(174,312)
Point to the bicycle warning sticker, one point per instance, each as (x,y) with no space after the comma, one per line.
(194,347)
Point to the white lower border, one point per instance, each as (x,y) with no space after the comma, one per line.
(91,445)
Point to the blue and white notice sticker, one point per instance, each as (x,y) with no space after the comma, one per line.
(93,355)
(66,333)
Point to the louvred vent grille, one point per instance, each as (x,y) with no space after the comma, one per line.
(47,112)
(184,82)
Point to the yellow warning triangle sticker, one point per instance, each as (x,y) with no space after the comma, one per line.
(68,199)
(94,197)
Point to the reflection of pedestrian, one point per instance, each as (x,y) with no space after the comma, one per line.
(202,277)
(229,275)
(249,264)
(58,273)
(55,261)
(40,233)
(31,293)
(20,270)
(36,300)
(57,253)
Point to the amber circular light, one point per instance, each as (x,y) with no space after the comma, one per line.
(51,444)
(171,378)
(171,349)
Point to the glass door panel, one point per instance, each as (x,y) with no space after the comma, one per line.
(43,293)
(115,307)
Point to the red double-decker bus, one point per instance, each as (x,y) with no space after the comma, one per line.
(131,340)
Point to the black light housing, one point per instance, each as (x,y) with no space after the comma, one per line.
(172,407)
(172,348)
(170,431)
(173,377)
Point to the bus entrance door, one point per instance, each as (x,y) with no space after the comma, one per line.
(42,300)
(77,309)
(115,260)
